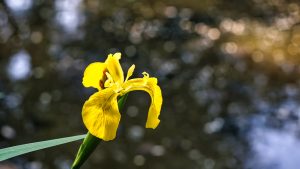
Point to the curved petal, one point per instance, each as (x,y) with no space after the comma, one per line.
(150,86)
(101,115)
(114,68)
(94,74)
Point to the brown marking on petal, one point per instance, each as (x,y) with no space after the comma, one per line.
(104,78)
(101,84)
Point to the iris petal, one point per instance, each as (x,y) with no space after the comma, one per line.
(150,86)
(114,68)
(93,74)
(101,115)
(130,72)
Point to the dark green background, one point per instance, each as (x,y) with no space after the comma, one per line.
(228,72)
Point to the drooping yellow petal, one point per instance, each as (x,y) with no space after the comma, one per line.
(101,115)
(150,86)
(94,74)
(114,68)
(130,72)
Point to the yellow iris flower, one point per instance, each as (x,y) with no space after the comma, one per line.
(100,112)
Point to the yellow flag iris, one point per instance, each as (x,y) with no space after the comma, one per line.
(100,112)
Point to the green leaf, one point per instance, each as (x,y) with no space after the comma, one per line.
(10,152)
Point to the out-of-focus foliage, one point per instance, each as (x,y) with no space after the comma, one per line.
(228,71)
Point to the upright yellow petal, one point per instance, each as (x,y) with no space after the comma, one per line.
(114,68)
(150,86)
(130,72)
(101,115)
(94,75)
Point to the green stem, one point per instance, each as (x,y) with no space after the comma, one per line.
(88,146)
(91,142)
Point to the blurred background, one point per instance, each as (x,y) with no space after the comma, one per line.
(228,71)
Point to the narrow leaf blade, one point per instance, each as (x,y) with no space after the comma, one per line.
(10,152)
